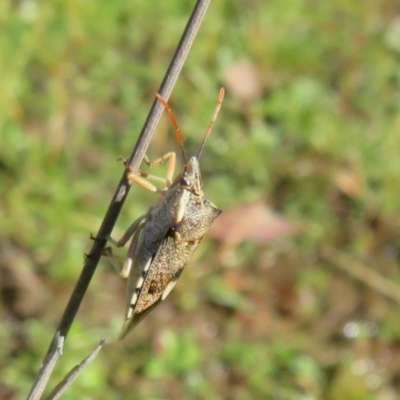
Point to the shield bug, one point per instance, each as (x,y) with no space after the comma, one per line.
(164,238)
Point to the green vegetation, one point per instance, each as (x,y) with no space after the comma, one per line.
(311,316)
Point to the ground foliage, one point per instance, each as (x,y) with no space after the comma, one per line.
(309,133)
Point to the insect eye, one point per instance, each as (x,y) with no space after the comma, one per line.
(185,181)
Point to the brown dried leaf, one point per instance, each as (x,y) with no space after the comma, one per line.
(349,183)
(242,80)
(253,221)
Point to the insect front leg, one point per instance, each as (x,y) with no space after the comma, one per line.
(142,179)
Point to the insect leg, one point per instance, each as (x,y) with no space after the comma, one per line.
(142,179)
(134,231)
(126,269)
(128,234)
(171,165)
(109,253)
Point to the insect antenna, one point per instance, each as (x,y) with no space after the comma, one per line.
(214,117)
(171,116)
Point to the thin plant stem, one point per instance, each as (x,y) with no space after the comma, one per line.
(93,257)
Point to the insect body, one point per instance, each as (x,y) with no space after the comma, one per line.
(165,237)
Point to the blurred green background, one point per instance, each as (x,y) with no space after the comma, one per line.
(295,293)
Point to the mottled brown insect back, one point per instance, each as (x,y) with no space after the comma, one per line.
(171,258)
(199,214)
(164,239)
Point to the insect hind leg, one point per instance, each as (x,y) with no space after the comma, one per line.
(113,258)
